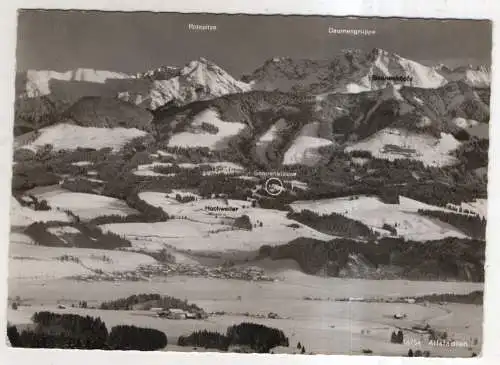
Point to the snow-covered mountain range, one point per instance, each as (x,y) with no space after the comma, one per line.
(356,71)
(350,72)
(33,83)
(474,76)
(198,80)
(286,112)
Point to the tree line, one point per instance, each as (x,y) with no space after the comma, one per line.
(333,224)
(151,300)
(448,258)
(78,332)
(89,236)
(258,337)
(472,225)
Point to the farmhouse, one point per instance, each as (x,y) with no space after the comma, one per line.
(355,299)
(175,313)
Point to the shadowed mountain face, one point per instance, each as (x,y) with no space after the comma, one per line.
(108,113)
(352,71)
(32,114)
(389,258)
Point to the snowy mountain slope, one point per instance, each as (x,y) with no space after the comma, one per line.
(244,119)
(304,148)
(34,83)
(286,128)
(396,143)
(69,137)
(206,130)
(198,80)
(374,213)
(349,72)
(21,216)
(160,73)
(474,76)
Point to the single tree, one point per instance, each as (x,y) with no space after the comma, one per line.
(400,337)
(410,353)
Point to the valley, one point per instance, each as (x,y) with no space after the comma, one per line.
(159,183)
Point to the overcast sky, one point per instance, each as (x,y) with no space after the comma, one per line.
(135,42)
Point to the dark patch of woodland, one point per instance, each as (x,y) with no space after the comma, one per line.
(71,331)
(472,225)
(333,224)
(449,258)
(149,301)
(259,338)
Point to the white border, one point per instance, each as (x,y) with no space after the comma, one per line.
(466,9)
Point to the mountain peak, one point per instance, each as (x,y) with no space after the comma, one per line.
(160,73)
(199,79)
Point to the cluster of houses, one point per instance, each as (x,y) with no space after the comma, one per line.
(377,300)
(219,272)
(176,313)
(116,276)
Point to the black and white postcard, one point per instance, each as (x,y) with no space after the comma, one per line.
(244,183)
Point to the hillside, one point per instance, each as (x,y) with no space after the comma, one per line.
(175,162)
(34,113)
(108,113)
(281,128)
(446,259)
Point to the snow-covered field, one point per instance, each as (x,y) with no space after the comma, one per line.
(481,130)
(395,143)
(24,216)
(82,163)
(69,137)
(39,262)
(219,168)
(464,123)
(197,137)
(147,169)
(16,237)
(374,213)
(304,149)
(197,227)
(86,206)
(321,326)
